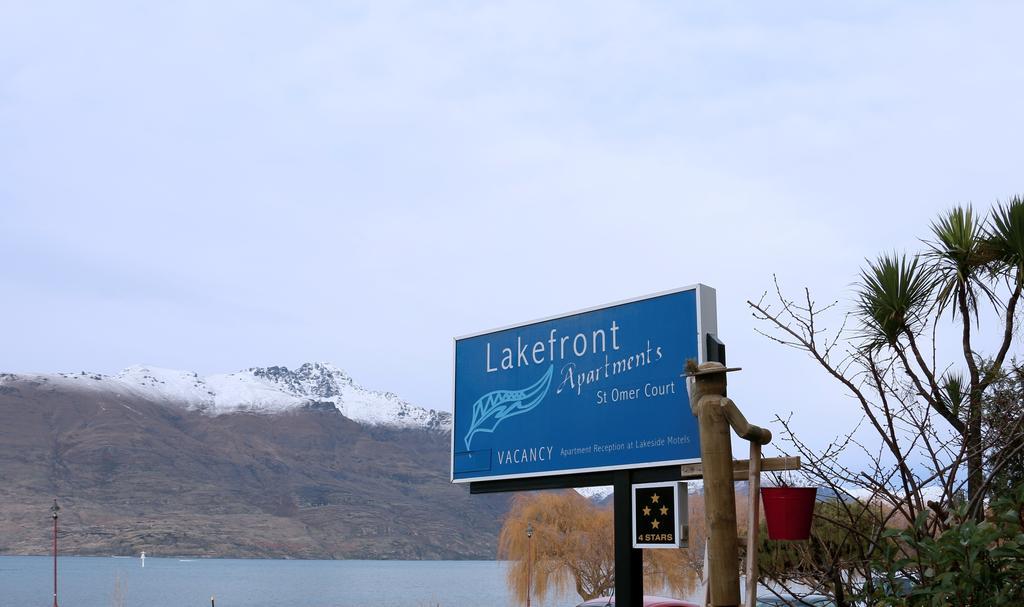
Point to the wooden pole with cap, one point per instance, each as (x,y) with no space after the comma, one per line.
(716,414)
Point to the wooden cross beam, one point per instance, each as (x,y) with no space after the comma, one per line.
(741,467)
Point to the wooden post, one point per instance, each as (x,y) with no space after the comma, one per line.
(719,503)
(716,415)
(753,521)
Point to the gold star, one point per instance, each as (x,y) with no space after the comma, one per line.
(664,510)
(646,511)
(655,498)
(654,524)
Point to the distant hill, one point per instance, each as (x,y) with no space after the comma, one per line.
(267,462)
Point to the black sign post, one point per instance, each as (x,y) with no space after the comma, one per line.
(629,562)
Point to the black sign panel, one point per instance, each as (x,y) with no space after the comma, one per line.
(656,515)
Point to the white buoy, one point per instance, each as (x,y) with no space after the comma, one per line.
(142,558)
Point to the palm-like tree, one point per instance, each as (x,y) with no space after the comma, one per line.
(957,257)
(1003,248)
(892,299)
(898,297)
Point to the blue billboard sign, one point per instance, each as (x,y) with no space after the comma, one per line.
(599,389)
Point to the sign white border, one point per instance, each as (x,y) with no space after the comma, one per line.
(677,488)
(707,324)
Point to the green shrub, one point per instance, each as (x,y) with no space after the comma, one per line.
(969,564)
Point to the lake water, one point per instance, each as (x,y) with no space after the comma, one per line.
(27,581)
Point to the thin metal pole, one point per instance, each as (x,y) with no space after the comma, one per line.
(707,572)
(54,560)
(529,570)
(54,509)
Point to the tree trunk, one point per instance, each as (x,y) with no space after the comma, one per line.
(975,458)
(972,440)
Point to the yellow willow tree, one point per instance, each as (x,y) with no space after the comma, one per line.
(573,547)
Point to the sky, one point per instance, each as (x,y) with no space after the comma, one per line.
(213,186)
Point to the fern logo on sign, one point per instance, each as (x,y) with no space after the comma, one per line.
(594,390)
(497,406)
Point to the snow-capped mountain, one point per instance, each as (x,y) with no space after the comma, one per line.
(261,463)
(596,494)
(257,390)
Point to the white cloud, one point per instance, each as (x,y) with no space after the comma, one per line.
(361,183)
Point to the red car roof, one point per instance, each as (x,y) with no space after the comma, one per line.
(649,601)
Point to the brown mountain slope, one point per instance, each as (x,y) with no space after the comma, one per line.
(133,475)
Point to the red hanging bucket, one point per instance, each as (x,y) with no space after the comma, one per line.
(788,511)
